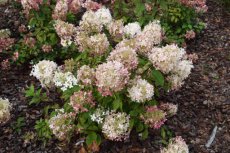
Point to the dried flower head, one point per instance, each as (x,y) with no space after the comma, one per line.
(169,108)
(116,126)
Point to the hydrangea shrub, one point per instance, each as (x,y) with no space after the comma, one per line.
(113,85)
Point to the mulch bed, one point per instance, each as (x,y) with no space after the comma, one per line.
(204,100)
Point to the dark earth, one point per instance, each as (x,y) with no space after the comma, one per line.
(204,100)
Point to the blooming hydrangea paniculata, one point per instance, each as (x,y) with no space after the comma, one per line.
(166,58)
(99,115)
(44,72)
(62,124)
(60,10)
(65,31)
(170,109)
(198,5)
(190,34)
(86,75)
(180,73)
(111,77)
(154,117)
(132,29)
(116,126)
(140,90)
(151,35)
(64,80)
(176,145)
(116,29)
(104,16)
(5,108)
(125,55)
(79,99)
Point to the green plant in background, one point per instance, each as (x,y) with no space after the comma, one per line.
(35,96)
(17,126)
(175,18)
(43,131)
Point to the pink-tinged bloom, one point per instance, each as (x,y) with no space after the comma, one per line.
(5,64)
(60,10)
(29,41)
(6,43)
(80,99)
(154,117)
(86,75)
(46,48)
(198,5)
(169,108)
(75,6)
(22,28)
(15,56)
(176,145)
(111,77)
(190,34)
(91,5)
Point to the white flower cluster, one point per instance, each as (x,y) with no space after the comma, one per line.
(180,73)
(65,31)
(140,91)
(176,145)
(116,29)
(64,80)
(99,115)
(150,36)
(86,75)
(5,108)
(166,58)
(61,124)
(104,16)
(132,29)
(111,77)
(125,55)
(44,72)
(116,126)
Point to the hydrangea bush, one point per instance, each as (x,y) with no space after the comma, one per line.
(113,84)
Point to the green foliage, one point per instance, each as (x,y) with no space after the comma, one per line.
(43,131)
(35,96)
(166,135)
(175,18)
(17,126)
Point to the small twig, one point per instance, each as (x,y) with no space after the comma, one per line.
(79,142)
(212,137)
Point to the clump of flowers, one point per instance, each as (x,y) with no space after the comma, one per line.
(111,77)
(198,5)
(154,117)
(99,115)
(61,10)
(65,31)
(132,29)
(64,80)
(44,72)
(116,29)
(180,73)
(166,58)
(31,4)
(62,125)
(125,55)
(169,108)
(104,16)
(81,98)
(116,126)
(140,91)
(5,41)
(5,108)
(176,145)
(86,75)
(151,35)
(190,34)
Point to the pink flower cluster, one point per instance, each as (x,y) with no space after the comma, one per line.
(81,98)
(190,34)
(6,43)
(86,75)
(154,117)
(198,5)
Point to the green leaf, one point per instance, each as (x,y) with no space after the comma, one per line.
(140,127)
(91,138)
(158,78)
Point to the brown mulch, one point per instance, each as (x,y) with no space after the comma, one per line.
(204,100)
